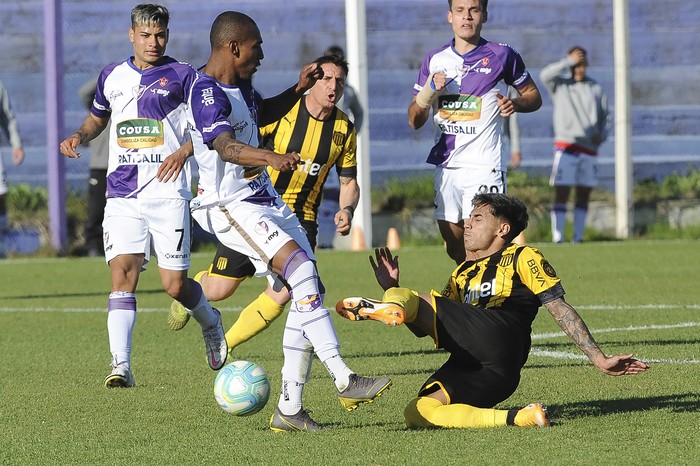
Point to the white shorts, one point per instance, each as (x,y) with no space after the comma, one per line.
(137,226)
(456,187)
(574,169)
(258,231)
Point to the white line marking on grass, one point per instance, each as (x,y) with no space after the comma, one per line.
(566,355)
(627,307)
(98,309)
(542,336)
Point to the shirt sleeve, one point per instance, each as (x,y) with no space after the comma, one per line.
(8,121)
(210,109)
(535,271)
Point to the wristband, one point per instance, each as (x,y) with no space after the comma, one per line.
(350,209)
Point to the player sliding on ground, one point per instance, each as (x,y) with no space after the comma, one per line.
(483,319)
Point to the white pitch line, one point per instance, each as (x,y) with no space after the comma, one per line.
(98,309)
(542,336)
(567,355)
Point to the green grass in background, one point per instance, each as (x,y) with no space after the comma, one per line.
(636,296)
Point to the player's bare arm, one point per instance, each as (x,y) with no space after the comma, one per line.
(91,127)
(573,325)
(530,98)
(349,198)
(172,165)
(233,151)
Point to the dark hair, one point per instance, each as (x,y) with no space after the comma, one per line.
(334,59)
(508,208)
(231,26)
(483,3)
(335,50)
(149,14)
(575,48)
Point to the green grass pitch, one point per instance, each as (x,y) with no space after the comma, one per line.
(636,296)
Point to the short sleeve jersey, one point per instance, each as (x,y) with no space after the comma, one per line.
(321,144)
(516,279)
(148,123)
(466,117)
(231,182)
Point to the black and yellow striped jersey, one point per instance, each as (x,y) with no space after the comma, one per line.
(514,279)
(321,146)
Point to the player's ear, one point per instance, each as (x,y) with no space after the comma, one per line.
(233,47)
(504,230)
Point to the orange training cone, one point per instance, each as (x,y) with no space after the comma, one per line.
(392,239)
(358,239)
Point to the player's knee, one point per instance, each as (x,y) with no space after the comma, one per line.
(419,412)
(220,289)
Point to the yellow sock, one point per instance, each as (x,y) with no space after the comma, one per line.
(407,299)
(429,412)
(255,318)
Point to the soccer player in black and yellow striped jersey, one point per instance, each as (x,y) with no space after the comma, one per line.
(326,140)
(483,320)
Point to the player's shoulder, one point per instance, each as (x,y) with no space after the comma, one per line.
(534,260)
(445,49)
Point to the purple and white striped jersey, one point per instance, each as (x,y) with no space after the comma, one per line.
(148,124)
(223,182)
(466,115)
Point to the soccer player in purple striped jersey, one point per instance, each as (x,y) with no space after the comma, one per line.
(465,84)
(247,215)
(146,97)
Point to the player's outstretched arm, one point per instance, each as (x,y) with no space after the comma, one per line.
(233,151)
(573,325)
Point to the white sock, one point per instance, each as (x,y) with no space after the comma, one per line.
(308,313)
(558,218)
(290,397)
(121,317)
(580,214)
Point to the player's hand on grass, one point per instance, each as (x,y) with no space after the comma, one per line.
(621,364)
(386,268)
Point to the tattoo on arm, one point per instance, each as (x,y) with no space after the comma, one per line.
(571,323)
(228,148)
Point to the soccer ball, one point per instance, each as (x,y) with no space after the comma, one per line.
(242,388)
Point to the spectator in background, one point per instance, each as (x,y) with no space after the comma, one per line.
(350,104)
(97,182)
(8,125)
(580,126)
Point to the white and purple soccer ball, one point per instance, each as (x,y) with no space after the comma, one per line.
(242,388)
